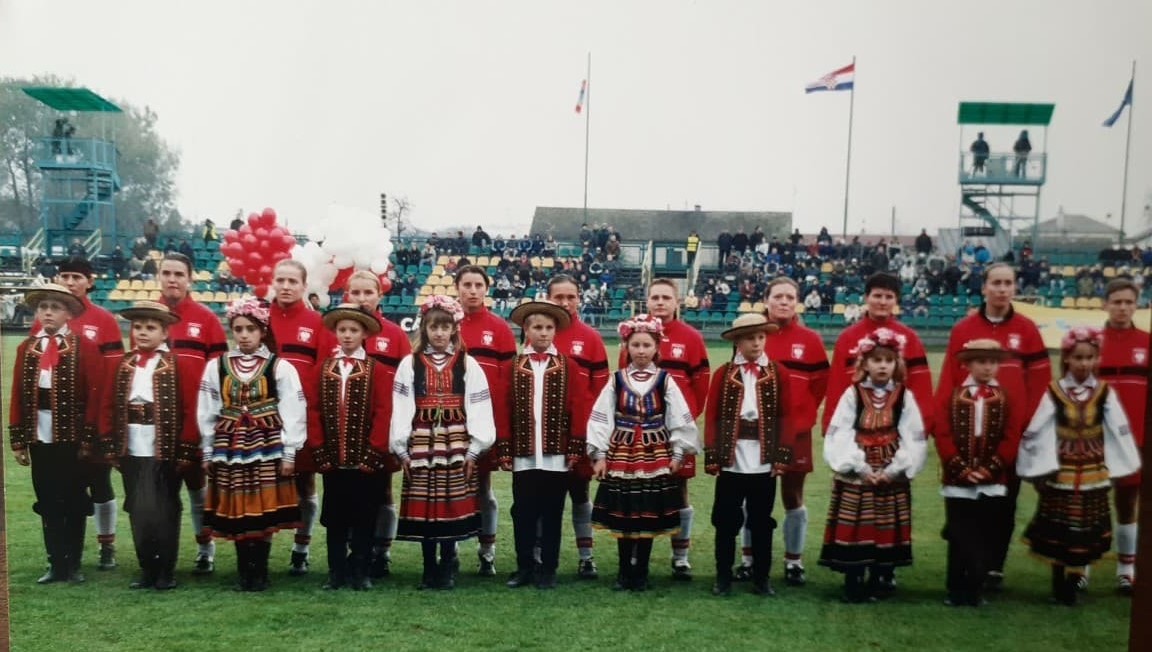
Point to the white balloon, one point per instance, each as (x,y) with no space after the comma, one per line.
(325,300)
(300,254)
(379,266)
(328,272)
(316,232)
(342,261)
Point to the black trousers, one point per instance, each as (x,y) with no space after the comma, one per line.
(99,481)
(734,491)
(538,500)
(62,501)
(1003,526)
(971,542)
(350,502)
(152,500)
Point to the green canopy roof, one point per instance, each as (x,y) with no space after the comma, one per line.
(71,99)
(1004,113)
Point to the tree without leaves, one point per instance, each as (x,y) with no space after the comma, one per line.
(148,165)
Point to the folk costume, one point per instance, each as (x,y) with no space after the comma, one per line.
(638,425)
(148,427)
(1078,441)
(874,429)
(387,347)
(252,417)
(350,449)
(545,440)
(1025,372)
(100,327)
(489,341)
(684,356)
(978,431)
(583,344)
(746,436)
(197,338)
(1124,366)
(302,341)
(54,415)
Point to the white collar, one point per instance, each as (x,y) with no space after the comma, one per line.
(1069,383)
(358,354)
(551,350)
(887,387)
(739,359)
(431,351)
(261,352)
(971,382)
(62,332)
(651,368)
(163,348)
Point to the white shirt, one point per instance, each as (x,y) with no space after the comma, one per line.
(345,369)
(539,461)
(847,459)
(683,436)
(1039,448)
(292,407)
(477,407)
(44,381)
(973,492)
(142,438)
(748,450)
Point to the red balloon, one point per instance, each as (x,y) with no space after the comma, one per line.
(265,245)
(385,284)
(268,218)
(231,236)
(255,259)
(254,220)
(274,232)
(280,255)
(244,230)
(261,290)
(261,233)
(233,250)
(237,266)
(266,272)
(289,241)
(249,241)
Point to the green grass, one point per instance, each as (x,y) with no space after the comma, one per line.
(295,614)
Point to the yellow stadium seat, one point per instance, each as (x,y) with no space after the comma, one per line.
(450,290)
(1109,272)
(442,260)
(1068,302)
(222,297)
(151,284)
(439,290)
(482,261)
(838,309)
(758,306)
(1069,271)
(547,262)
(235,296)
(826,268)
(800,309)
(744,307)
(419,301)
(136,285)
(116,295)
(123,285)
(1081,302)
(438,270)
(1095,303)
(489,301)
(153,295)
(433,280)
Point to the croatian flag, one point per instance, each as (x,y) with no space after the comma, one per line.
(837,80)
(580,100)
(1127,101)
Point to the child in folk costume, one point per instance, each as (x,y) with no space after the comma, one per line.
(747,443)
(875,444)
(977,435)
(351,445)
(53,418)
(1076,444)
(252,417)
(545,441)
(148,428)
(441,424)
(639,431)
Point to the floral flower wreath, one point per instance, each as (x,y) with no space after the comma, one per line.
(641,323)
(881,337)
(251,307)
(1082,335)
(445,303)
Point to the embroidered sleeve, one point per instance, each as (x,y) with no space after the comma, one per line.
(403,409)
(481,420)
(840,449)
(601,421)
(208,405)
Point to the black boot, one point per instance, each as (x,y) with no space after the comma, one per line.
(624,575)
(166,576)
(337,543)
(57,567)
(75,547)
(640,572)
(358,565)
(855,591)
(243,566)
(260,552)
(147,578)
(447,573)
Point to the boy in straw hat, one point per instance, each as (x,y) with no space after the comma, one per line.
(52,424)
(148,428)
(351,445)
(747,443)
(544,442)
(977,436)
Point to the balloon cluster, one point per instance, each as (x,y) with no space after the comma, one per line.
(345,241)
(253,250)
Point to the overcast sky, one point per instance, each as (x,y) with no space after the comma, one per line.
(467,108)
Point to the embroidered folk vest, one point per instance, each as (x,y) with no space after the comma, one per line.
(167,405)
(977,451)
(346,422)
(66,399)
(1080,438)
(554,407)
(767,407)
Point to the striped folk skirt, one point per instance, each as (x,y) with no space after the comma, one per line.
(437,503)
(868,526)
(1070,528)
(639,498)
(247,497)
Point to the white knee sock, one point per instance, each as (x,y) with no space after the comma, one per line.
(489,515)
(309,506)
(745,546)
(205,544)
(683,539)
(582,527)
(386,523)
(1126,549)
(795,529)
(105,521)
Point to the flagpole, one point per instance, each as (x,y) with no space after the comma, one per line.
(587,130)
(848,161)
(1127,149)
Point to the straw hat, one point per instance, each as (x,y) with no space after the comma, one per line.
(354,312)
(553,310)
(57,292)
(150,310)
(982,349)
(748,323)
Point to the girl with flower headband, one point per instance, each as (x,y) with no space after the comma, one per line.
(639,431)
(1076,445)
(875,445)
(441,424)
(252,417)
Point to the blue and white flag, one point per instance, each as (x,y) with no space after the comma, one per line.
(1127,101)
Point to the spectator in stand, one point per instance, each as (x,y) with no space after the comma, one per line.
(498,245)
(983,256)
(951,278)
(812,302)
(210,234)
(740,242)
(1022,148)
(428,255)
(135,268)
(924,243)
(538,244)
(148,270)
(186,249)
(979,149)
(76,249)
(524,247)
(549,247)
(480,239)
(690,301)
(908,272)
(756,239)
(151,232)
(612,247)
(314,301)
(117,262)
(795,238)
(602,235)
(851,313)
(748,291)
(724,245)
(1084,285)
(237,222)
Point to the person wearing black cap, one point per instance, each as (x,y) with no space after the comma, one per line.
(52,424)
(100,327)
